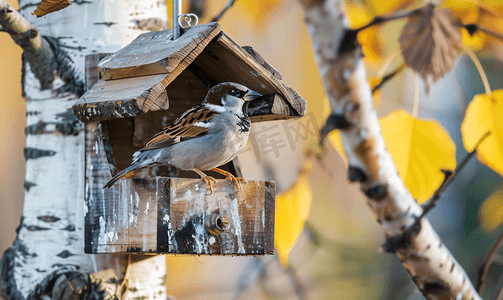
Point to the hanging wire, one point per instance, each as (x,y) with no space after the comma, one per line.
(177,11)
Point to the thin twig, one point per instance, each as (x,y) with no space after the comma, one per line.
(300,290)
(387,77)
(449,177)
(498,290)
(477,63)
(249,276)
(387,62)
(491,33)
(474,27)
(381,19)
(488,262)
(227,6)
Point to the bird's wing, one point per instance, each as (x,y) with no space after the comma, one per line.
(192,123)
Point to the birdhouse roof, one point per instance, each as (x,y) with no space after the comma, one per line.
(155,73)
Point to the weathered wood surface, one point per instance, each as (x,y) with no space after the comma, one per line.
(156,53)
(225,60)
(166,215)
(270,107)
(92,72)
(132,96)
(146,67)
(151,72)
(263,62)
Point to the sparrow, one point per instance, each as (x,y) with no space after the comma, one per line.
(202,138)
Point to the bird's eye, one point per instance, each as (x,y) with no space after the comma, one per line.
(237,93)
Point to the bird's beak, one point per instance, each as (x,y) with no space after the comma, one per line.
(251,95)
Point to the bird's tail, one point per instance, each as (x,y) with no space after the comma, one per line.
(120,175)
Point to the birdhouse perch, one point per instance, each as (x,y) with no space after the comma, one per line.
(135,92)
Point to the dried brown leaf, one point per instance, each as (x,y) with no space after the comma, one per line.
(49,6)
(430,42)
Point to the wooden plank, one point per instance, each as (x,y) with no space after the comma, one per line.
(250,223)
(134,96)
(121,98)
(225,60)
(117,99)
(167,215)
(155,52)
(97,173)
(263,62)
(92,72)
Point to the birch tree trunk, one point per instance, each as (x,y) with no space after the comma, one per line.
(47,258)
(431,266)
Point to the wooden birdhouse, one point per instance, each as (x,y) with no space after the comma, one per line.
(134,93)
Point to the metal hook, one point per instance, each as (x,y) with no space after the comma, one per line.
(188,19)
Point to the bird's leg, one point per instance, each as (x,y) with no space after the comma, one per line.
(230,176)
(207,179)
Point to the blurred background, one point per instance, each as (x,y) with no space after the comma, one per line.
(337,254)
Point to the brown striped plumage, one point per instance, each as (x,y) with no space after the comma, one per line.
(182,128)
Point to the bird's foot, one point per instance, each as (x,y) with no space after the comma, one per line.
(208,181)
(236,180)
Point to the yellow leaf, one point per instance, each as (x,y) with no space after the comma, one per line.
(475,42)
(292,210)
(420,150)
(358,14)
(485,113)
(491,211)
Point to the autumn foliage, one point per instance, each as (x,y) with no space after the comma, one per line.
(431,42)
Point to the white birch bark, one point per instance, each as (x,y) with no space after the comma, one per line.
(50,239)
(429,263)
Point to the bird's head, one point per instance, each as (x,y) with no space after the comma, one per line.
(231,95)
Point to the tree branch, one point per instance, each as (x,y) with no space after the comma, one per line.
(487,263)
(37,50)
(226,7)
(448,179)
(429,263)
(382,19)
(472,28)
(498,291)
(300,289)
(388,77)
